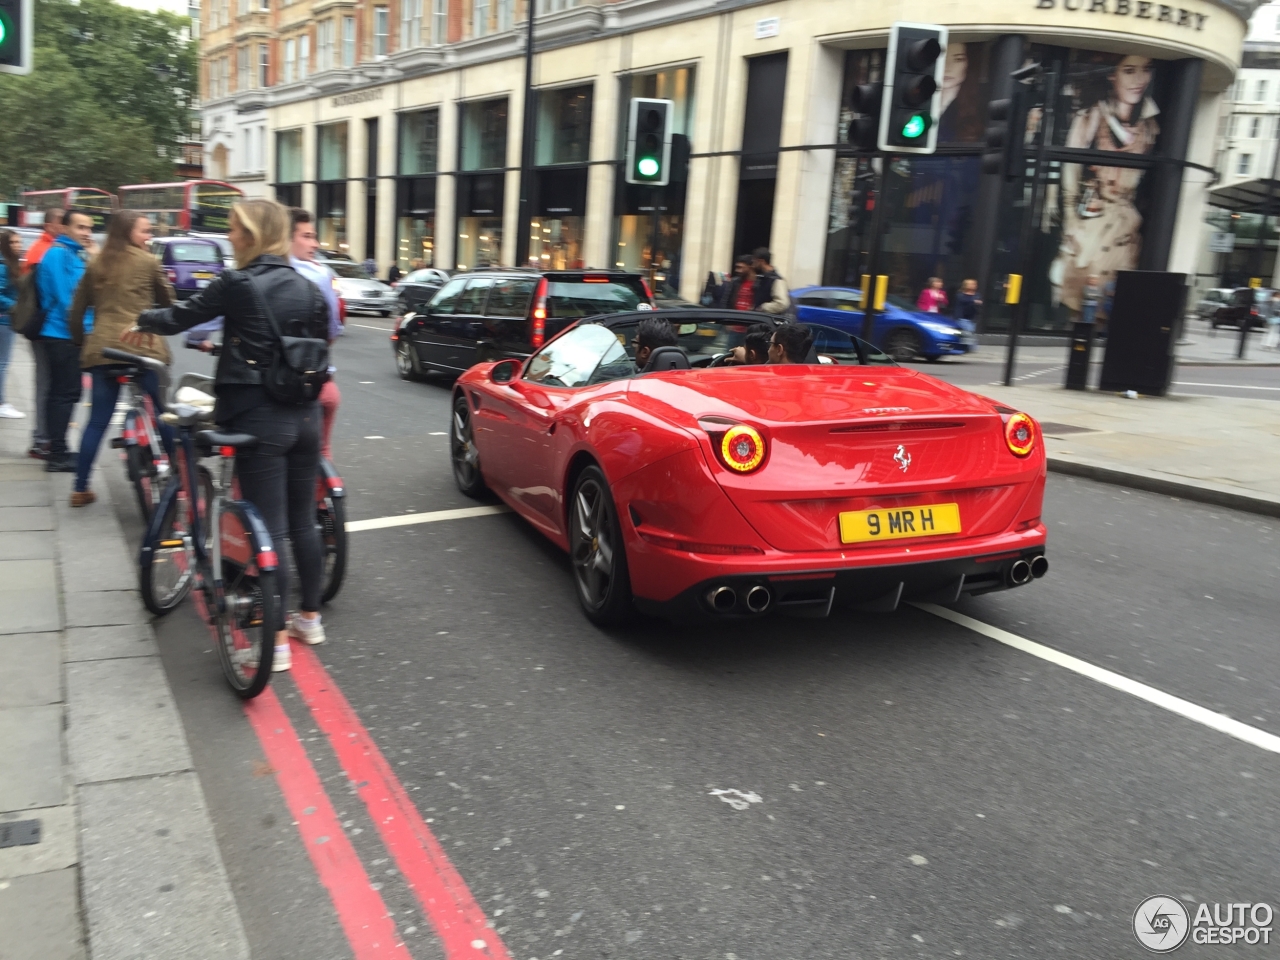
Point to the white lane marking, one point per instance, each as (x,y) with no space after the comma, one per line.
(437,433)
(375,436)
(1184,708)
(1225,386)
(365,326)
(408,519)
(736,798)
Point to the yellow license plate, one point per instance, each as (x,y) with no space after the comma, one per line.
(930,520)
(203,276)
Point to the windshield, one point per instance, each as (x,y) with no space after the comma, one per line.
(571,299)
(351,271)
(188,252)
(705,339)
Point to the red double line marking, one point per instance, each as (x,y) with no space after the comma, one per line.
(361,911)
(446,901)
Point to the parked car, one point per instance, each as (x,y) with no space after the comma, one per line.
(490,314)
(228,254)
(189,262)
(901,331)
(1245,302)
(414,289)
(358,290)
(1211,301)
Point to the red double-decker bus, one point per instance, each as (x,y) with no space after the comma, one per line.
(99,204)
(188,206)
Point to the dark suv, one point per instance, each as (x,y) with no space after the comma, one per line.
(493,314)
(1245,305)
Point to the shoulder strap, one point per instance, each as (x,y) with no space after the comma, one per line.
(262,303)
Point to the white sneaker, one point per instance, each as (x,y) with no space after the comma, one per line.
(308,631)
(9,412)
(282,659)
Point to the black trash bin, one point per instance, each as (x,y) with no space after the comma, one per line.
(1078,358)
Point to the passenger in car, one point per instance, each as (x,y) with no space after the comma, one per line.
(754,348)
(790,343)
(653,332)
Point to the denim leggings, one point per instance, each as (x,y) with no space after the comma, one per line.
(106,390)
(278,476)
(6,349)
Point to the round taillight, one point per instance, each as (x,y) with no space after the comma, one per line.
(742,448)
(1020,434)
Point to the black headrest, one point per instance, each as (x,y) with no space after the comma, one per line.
(666,358)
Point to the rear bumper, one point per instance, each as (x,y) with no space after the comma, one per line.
(816,593)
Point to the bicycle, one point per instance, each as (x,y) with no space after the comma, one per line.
(146,461)
(234,564)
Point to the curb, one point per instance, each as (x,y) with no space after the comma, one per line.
(1158,483)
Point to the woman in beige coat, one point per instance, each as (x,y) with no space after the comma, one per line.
(119,284)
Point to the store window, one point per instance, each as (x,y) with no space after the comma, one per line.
(641,240)
(560,183)
(289,175)
(480,195)
(419,141)
(331,190)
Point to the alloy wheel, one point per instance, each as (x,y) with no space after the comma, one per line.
(593,559)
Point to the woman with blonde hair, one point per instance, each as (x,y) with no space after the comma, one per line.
(119,283)
(278,475)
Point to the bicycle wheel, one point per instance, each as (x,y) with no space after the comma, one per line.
(246,602)
(331,521)
(142,474)
(168,556)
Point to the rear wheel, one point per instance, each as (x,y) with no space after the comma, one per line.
(168,561)
(462,450)
(245,606)
(143,475)
(596,550)
(405,364)
(331,521)
(903,345)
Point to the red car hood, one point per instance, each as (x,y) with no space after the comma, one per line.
(846,438)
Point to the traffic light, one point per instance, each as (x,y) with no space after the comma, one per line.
(15,36)
(1006,121)
(868,98)
(648,141)
(913,88)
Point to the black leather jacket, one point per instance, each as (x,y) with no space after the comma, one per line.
(247,340)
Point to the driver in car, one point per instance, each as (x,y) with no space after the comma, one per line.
(652,333)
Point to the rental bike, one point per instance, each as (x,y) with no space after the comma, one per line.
(146,460)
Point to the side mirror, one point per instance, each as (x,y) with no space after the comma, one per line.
(505,371)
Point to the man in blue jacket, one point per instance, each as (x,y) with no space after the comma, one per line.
(60,272)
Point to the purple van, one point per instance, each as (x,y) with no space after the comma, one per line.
(189,262)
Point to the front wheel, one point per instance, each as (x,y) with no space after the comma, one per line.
(245,602)
(143,474)
(168,557)
(405,366)
(597,552)
(331,522)
(462,450)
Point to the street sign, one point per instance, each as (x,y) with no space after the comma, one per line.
(1221,242)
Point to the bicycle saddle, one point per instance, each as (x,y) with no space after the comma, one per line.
(111,353)
(216,438)
(186,415)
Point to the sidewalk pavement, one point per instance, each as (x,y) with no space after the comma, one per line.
(1200,346)
(106,846)
(1218,450)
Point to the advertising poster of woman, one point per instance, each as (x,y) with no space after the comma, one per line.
(1101,224)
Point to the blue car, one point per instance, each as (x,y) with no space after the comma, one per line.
(901,331)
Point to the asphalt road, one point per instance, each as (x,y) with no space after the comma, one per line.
(908,786)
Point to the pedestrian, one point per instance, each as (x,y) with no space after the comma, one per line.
(968,306)
(751,290)
(779,301)
(370,268)
(40,430)
(302,254)
(10,269)
(57,277)
(1091,293)
(394,274)
(278,476)
(118,285)
(933,299)
(1270,341)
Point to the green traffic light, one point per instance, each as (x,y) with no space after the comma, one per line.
(647,167)
(4,31)
(915,127)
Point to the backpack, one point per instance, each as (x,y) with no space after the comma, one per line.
(299,366)
(28,316)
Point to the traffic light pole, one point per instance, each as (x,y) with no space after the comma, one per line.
(873,254)
(524,212)
(1030,220)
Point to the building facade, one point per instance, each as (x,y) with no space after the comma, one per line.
(399,123)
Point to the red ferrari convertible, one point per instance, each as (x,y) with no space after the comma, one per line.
(693,488)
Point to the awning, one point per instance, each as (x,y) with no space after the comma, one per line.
(1248,196)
